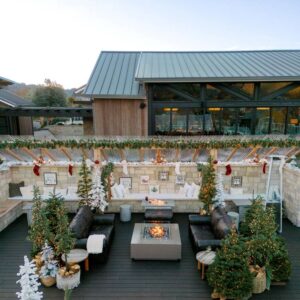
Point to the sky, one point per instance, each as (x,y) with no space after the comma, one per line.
(62,39)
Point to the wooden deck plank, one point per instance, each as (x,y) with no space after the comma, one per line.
(122,278)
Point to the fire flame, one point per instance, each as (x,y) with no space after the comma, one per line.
(157,231)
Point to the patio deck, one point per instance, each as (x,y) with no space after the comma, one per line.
(121,278)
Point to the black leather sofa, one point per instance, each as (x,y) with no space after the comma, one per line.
(208,231)
(86,223)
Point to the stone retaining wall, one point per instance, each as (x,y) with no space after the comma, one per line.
(5,178)
(291,194)
(253,178)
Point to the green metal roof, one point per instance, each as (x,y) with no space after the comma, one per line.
(223,66)
(122,74)
(113,77)
(13,100)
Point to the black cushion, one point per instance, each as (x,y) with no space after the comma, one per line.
(216,215)
(198,219)
(80,243)
(106,219)
(81,223)
(204,232)
(222,228)
(14,189)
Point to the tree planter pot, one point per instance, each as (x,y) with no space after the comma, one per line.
(259,282)
(67,282)
(48,281)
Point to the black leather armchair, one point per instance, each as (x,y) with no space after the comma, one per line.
(208,231)
(85,223)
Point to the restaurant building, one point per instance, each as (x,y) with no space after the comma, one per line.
(196,93)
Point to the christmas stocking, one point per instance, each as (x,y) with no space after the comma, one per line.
(228,170)
(70,169)
(264,168)
(36,170)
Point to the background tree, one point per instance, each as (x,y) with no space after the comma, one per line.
(208,186)
(39,230)
(50,94)
(85,184)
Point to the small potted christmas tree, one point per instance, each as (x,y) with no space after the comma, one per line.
(49,268)
(68,277)
(267,251)
(39,230)
(229,274)
(29,281)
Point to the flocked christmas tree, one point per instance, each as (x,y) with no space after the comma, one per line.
(208,186)
(39,230)
(219,197)
(229,274)
(98,194)
(29,282)
(84,184)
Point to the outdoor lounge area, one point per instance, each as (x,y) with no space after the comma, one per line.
(170,206)
(122,278)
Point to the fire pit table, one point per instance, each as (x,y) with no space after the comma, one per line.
(152,241)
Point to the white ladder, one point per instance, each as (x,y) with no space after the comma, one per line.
(274,191)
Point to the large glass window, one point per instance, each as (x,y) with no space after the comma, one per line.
(215,93)
(195,121)
(162,120)
(179,121)
(245,116)
(292,94)
(229,121)
(278,120)
(267,88)
(293,120)
(163,92)
(262,120)
(213,120)
(4,125)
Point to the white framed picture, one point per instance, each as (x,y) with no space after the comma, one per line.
(163,175)
(179,179)
(154,189)
(50,178)
(126,182)
(144,179)
(236,181)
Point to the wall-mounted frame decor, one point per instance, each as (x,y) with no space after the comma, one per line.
(163,175)
(126,182)
(236,181)
(179,179)
(144,179)
(154,189)
(50,178)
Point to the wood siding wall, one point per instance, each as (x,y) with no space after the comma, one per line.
(120,117)
(25,125)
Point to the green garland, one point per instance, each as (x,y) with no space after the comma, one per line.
(163,143)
